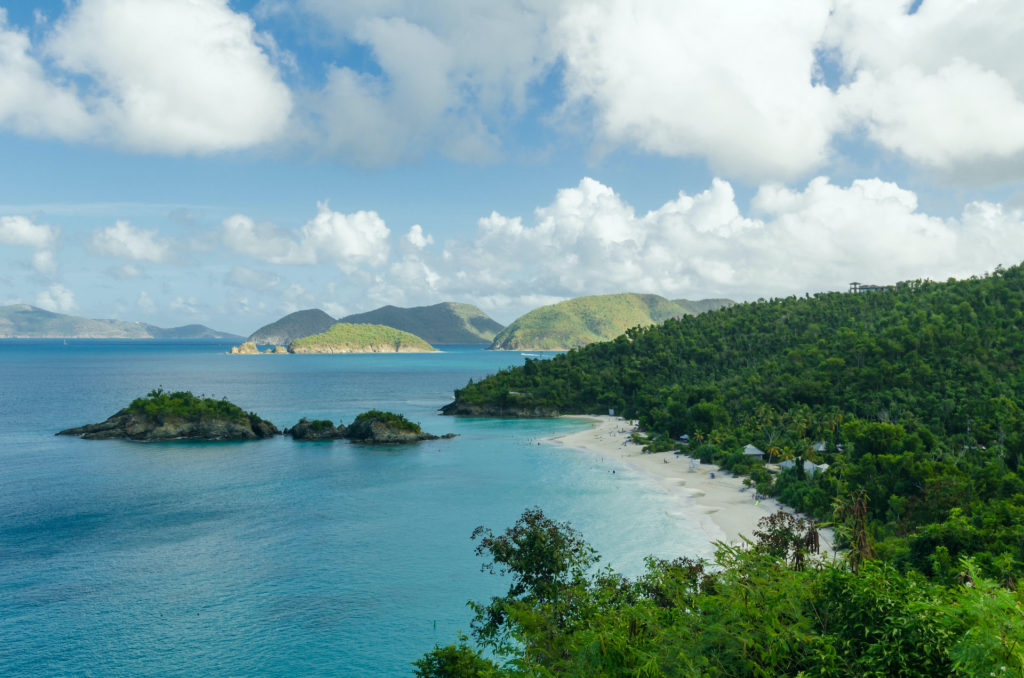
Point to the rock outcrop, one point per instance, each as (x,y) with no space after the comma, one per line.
(132,426)
(163,416)
(318,429)
(386,428)
(245,348)
(460,409)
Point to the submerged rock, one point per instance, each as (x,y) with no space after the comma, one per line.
(163,416)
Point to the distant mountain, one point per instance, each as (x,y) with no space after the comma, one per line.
(584,320)
(293,326)
(444,323)
(361,338)
(24,321)
(188,332)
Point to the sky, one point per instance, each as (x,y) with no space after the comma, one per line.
(226,163)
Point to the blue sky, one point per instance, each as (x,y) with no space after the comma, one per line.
(178,161)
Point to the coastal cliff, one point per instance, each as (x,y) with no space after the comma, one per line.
(460,408)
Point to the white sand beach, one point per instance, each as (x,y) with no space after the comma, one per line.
(729,509)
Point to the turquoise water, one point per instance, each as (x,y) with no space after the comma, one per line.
(272,558)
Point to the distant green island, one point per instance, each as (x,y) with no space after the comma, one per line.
(178,415)
(585,320)
(444,323)
(349,338)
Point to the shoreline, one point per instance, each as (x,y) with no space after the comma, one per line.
(724,508)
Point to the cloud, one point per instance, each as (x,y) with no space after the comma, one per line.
(18,230)
(126,272)
(128,242)
(150,75)
(733,82)
(189,305)
(246,278)
(43,262)
(345,240)
(943,86)
(445,76)
(145,303)
(416,238)
(30,102)
(590,241)
(56,298)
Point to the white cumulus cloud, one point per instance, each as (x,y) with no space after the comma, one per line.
(943,86)
(348,241)
(30,102)
(56,298)
(17,230)
(730,81)
(128,242)
(172,76)
(417,238)
(447,75)
(821,237)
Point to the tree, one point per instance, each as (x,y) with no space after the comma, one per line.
(546,561)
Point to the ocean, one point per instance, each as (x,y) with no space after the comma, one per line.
(274,557)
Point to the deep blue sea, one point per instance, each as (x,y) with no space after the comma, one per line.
(273,558)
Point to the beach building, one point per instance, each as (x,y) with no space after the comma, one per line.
(809,466)
(751,451)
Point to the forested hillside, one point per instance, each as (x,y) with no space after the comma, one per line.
(577,322)
(909,403)
(913,395)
